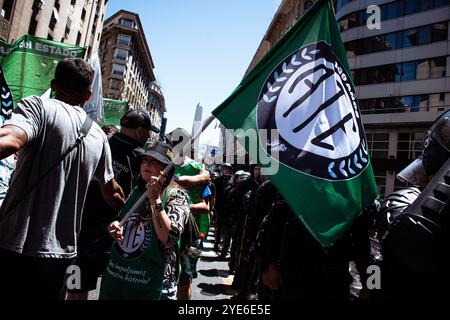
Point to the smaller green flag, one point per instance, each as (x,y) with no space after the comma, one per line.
(113,111)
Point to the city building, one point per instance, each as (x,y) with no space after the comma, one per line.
(127,65)
(401,73)
(76,22)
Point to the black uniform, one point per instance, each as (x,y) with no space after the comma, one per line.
(307,270)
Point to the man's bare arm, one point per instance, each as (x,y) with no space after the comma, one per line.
(113,195)
(12,139)
(190,181)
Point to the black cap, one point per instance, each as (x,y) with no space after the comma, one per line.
(159,150)
(137,118)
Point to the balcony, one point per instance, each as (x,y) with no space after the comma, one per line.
(155,91)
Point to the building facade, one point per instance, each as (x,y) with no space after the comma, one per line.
(127,65)
(401,73)
(76,22)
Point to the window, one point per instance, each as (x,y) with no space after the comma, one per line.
(7,9)
(52,23)
(127,23)
(391,10)
(396,40)
(124,39)
(424,35)
(73,2)
(115,85)
(83,14)
(439,32)
(411,6)
(118,69)
(307,5)
(409,145)
(78,38)
(422,71)
(378,143)
(410,38)
(57,5)
(67,32)
(121,54)
(437,67)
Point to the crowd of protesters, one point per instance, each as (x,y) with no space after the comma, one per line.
(73,197)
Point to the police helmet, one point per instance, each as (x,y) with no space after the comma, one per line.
(394,205)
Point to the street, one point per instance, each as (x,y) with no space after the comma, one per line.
(213,281)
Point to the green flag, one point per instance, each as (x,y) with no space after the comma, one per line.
(113,111)
(301,100)
(29,64)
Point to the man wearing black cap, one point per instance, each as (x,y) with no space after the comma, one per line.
(94,241)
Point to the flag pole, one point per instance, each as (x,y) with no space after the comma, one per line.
(205,124)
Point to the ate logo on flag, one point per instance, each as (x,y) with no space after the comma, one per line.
(136,238)
(310,100)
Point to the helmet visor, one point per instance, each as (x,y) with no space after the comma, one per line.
(440,130)
(414,173)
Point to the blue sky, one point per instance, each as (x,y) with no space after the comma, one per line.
(201,48)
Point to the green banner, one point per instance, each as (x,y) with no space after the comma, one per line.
(300,103)
(29,64)
(113,111)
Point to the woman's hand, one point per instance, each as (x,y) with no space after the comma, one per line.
(115,231)
(154,187)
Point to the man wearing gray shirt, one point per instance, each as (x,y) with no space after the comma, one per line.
(39,225)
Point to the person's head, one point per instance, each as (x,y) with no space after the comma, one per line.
(109,130)
(72,81)
(136,124)
(227,169)
(256,171)
(155,159)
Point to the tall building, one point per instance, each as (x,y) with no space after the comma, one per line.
(127,65)
(197,119)
(401,73)
(76,22)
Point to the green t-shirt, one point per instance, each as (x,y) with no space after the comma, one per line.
(192,168)
(135,270)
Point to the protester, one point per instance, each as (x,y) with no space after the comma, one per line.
(295,266)
(109,130)
(219,217)
(144,250)
(41,214)
(94,241)
(191,243)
